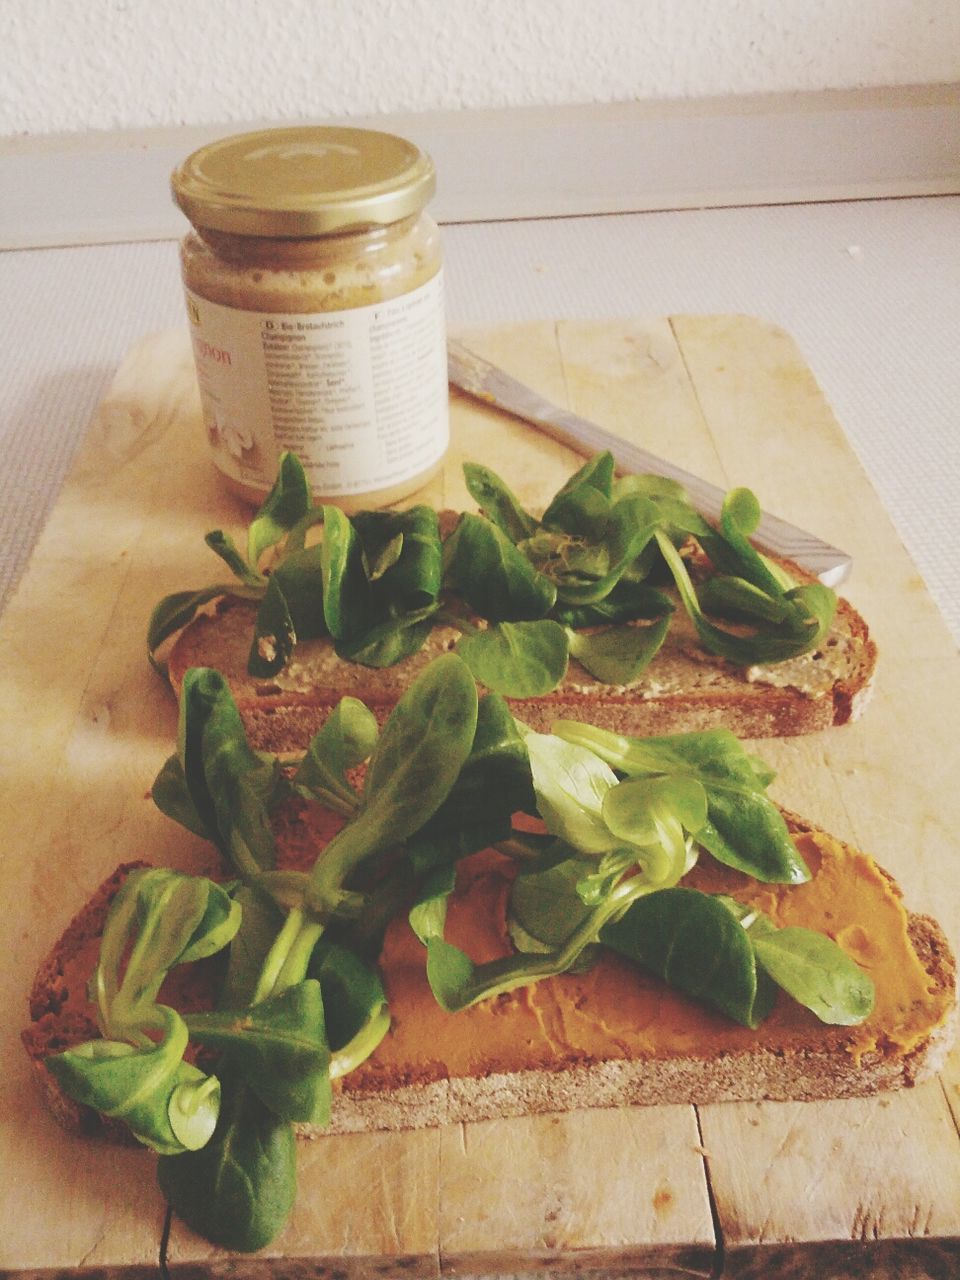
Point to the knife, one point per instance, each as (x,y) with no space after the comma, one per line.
(486,382)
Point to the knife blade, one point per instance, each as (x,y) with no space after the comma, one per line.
(494,386)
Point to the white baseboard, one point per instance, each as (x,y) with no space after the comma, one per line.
(535,162)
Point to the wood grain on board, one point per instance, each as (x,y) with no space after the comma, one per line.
(867,1187)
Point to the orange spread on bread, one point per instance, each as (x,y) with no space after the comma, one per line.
(616,1011)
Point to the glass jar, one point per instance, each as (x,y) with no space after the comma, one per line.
(314,290)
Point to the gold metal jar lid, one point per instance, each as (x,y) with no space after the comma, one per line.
(304,181)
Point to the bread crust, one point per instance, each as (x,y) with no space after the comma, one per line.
(420,1100)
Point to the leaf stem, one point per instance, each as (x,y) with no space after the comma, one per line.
(447,617)
(298,957)
(520,970)
(277,956)
(288,957)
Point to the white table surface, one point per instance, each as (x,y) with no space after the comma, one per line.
(869,289)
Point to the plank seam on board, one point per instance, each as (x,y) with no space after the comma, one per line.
(558,344)
(671,321)
(439,1269)
(719,1245)
(946,1086)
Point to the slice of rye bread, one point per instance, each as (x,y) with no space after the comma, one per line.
(530,1061)
(684,689)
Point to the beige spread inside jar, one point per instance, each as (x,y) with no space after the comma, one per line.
(314,290)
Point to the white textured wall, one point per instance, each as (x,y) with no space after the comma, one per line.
(99,64)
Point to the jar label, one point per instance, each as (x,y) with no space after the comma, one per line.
(359,395)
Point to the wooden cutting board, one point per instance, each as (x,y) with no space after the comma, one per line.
(750,1189)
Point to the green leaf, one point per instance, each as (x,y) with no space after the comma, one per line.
(284,507)
(280,1046)
(566,558)
(713,754)
(260,922)
(457,982)
(346,591)
(390,641)
(171,918)
(387,556)
(691,941)
(679,520)
(446,844)
(218,927)
(655,488)
(808,966)
(230,785)
(817,973)
(627,533)
(583,511)
(582,504)
(171,795)
(450,973)
(239,1189)
(355,1004)
(286,889)
(571,783)
(498,503)
(421,750)
(173,612)
(744,828)
(223,545)
(496,580)
(404,558)
(429,913)
(493,784)
(193,1109)
(610,875)
(136,1086)
(739,518)
(807,626)
(747,831)
(545,907)
(737,599)
(299,575)
(618,655)
(655,814)
(347,738)
(626,602)
(817,603)
(517,659)
(274,635)
(417,760)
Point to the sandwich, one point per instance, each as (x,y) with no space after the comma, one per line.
(455,916)
(617,602)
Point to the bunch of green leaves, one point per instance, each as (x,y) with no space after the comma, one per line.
(293,946)
(282,520)
(370,583)
(283,967)
(584,580)
(734,958)
(136,1072)
(626,820)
